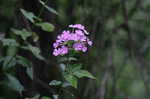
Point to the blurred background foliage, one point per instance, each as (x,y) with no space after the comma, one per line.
(119,58)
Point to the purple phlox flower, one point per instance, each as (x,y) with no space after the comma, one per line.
(80,27)
(55,45)
(80,35)
(60,51)
(89,42)
(79,32)
(55,52)
(78,38)
(64,36)
(86,32)
(64,50)
(80,47)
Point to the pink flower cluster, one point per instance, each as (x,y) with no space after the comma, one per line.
(76,39)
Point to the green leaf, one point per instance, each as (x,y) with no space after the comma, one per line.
(62,66)
(9,42)
(14,83)
(55,96)
(76,67)
(23,33)
(35,51)
(35,97)
(46,26)
(48,8)
(23,61)
(83,73)
(35,36)
(55,83)
(29,15)
(45,97)
(72,80)
(66,84)
(64,59)
(9,62)
(29,72)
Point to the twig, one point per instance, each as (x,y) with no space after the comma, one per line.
(42,9)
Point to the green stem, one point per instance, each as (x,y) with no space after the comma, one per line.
(68,64)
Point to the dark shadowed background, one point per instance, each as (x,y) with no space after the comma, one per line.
(119,57)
